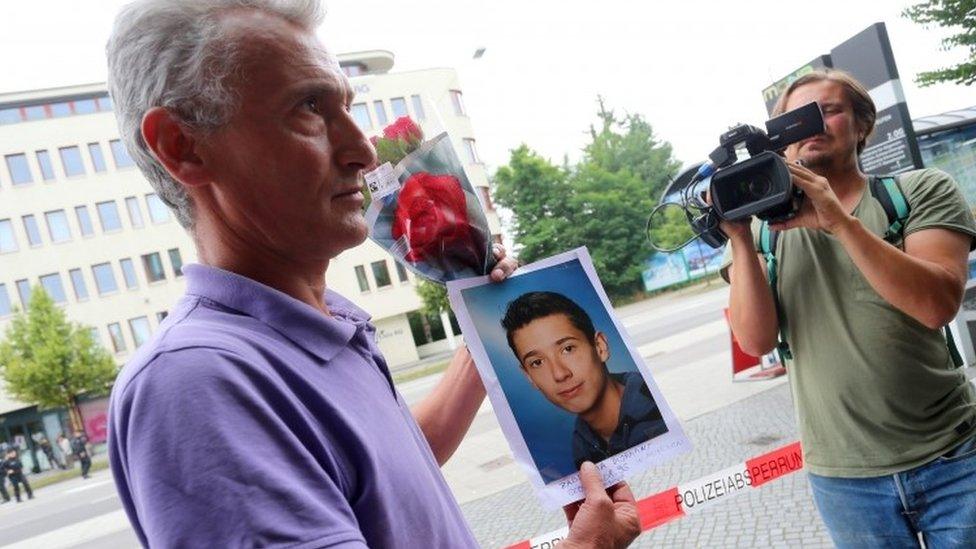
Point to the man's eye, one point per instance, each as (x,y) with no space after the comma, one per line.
(535,363)
(312,104)
(569,349)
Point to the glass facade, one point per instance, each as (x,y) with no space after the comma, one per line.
(84,221)
(954,152)
(97,158)
(129,273)
(418,107)
(154,267)
(380,110)
(78,283)
(176,260)
(5,307)
(135,212)
(108,214)
(401,272)
(381,273)
(120,154)
(360,114)
(104,278)
(8,242)
(361,278)
(18,169)
(33,233)
(399,107)
(47,167)
(57,226)
(54,288)
(158,212)
(71,161)
(24,293)
(118,340)
(140,330)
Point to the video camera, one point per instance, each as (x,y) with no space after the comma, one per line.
(759,185)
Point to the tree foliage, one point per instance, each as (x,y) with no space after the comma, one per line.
(48,361)
(433,296)
(959,15)
(602,202)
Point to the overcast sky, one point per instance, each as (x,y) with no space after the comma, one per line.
(692,68)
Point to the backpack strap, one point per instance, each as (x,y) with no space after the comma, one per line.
(767,247)
(887,191)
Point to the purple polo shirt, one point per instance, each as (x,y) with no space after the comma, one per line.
(253,420)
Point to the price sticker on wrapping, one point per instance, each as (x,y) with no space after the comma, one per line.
(382,181)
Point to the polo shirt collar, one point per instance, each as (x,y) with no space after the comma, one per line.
(320,335)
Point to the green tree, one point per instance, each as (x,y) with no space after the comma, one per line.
(433,296)
(48,361)
(602,202)
(538,194)
(959,15)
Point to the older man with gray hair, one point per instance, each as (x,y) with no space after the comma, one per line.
(262,412)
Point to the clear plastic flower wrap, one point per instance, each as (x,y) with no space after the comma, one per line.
(423,209)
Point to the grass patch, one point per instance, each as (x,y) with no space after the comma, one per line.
(422,371)
(67,474)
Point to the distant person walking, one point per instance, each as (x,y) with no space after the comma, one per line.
(65,445)
(48,450)
(79,447)
(14,470)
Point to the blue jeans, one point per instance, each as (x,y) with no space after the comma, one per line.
(937,499)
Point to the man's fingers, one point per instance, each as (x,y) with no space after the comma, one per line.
(621,493)
(591,480)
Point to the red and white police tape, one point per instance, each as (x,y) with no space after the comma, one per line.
(691,497)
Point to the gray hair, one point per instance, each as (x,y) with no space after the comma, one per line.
(175,54)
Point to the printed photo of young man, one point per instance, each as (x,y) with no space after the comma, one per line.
(565,358)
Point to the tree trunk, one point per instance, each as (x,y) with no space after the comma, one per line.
(74,415)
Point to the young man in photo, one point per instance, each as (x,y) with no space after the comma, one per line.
(565,358)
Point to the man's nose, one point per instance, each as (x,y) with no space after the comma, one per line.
(560,371)
(355,151)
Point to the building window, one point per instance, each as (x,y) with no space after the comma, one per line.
(176,261)
(104,278)
(380,113)
(129,273)
(140,330)
(161,316)
(118,341)
(19,170)
(401,272)
(54,288)
(85,106)
(84,221)
(458,103)
(5,306)
(381,274)
(60,110)
(120,154)
(24,292)
(9,116)
(154,267)
(135,213)
(360,114)
(35,112)
(361,278)
(158,212)
(97,158)
(471,151)
(71,161)
(108,215)
(399,106)
(47,168)
(8,242)
(104,103)
(486,199)
(418,107)
(57,226)
(78,283)
(33,233)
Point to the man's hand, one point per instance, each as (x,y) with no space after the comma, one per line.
(505,265)
(821,209)
(605,518)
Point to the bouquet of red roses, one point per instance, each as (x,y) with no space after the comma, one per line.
(423,209)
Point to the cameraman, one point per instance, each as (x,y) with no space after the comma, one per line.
(887,422)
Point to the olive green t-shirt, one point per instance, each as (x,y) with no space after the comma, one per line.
(876,391)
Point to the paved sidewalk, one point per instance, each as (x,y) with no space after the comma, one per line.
(780,514)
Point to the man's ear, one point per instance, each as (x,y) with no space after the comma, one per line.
(174,147)
(602,347)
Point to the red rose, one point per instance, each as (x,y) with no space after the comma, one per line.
(404,128)
(432,212)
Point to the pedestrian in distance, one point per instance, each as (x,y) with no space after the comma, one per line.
(79,447)
(14,470)
(66,454)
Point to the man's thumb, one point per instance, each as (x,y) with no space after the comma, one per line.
(591,480)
